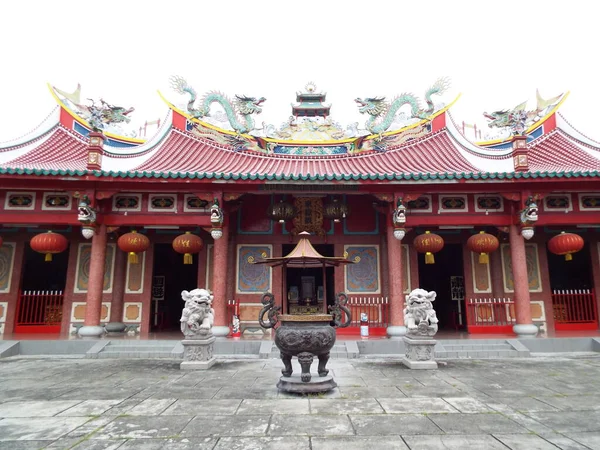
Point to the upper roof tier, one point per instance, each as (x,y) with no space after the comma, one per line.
(187,148)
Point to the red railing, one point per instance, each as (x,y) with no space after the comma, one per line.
(489,315)
(574,309)
(377,310)
(39,312)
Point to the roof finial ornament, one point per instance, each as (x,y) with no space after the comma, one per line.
(517,119)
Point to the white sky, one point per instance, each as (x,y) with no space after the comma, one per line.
(496,54)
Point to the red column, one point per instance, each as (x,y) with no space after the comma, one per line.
(524,326)
(116,307)
(394,255)
(93,308)
(221,247)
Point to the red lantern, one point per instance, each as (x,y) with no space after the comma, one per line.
(1,241)
(133,243)
(483,243)
(566,244)
(187,244)
(428,243)
(49,243)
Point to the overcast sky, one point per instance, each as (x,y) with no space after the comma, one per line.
(496,54)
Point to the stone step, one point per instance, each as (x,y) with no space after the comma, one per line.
(137,354)
(490,347)
(135,348)
(477,354)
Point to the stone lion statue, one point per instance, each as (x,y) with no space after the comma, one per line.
(419,315)
(198,316)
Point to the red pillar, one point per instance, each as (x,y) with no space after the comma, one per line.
(93,308)
(524,326)
(116,307)
(394,255)
(221,251)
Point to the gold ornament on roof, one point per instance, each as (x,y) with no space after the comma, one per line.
(310,87)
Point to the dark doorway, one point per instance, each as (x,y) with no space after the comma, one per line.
(177,277)
(574,274)
(41,275)
(573,298)
(306,291)
(40,302)
(444,277)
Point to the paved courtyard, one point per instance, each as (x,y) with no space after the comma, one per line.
(534,403)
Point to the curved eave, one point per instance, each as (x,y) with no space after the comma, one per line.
(316,143)
(531,128)
(84,123)
(430,177)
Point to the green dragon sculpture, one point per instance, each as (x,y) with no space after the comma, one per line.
(383,113)
(243,106)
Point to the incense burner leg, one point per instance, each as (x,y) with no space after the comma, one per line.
(305,359)
(323,359)
(287,363)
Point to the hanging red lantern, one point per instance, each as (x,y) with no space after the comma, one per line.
(566,244)
(188,244)
(428,243)
(483,243)
(49,243)
(133,243)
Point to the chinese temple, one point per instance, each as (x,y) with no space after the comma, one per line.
(101,230)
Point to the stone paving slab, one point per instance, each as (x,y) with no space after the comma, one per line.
(529,403)
(38,428)
(358,443)
(446,442)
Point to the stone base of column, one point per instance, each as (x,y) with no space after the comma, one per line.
(525,330)
(396,331)
(419,353)
(115,327)
(90,332)
(198,354)
(220,331)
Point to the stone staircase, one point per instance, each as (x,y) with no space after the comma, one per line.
(480,348)
(138,349)
(340,350)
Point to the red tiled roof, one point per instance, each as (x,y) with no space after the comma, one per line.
(184,153)
(557,152)
(61,151)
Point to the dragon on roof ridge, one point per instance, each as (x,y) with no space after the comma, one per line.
(239,112)
(383,113)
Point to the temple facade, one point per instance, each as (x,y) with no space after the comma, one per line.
(97,227)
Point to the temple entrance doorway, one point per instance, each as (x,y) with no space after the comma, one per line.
(446,278)
(305,287)
(170,276)
(573,296)
(39,308)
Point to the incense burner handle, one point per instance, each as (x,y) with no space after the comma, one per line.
(268,301)
(338,307)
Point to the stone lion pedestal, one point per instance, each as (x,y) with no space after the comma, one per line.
(197,320)
(198,353)
(421,323)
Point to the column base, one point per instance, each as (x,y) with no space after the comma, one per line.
(90,331)
(115,327)
(525,330)
(220,331)
(396,331)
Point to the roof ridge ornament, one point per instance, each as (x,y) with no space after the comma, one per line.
(518,119)
(383,113)
(239,112)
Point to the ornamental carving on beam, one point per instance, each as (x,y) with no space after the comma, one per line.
(309,217)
